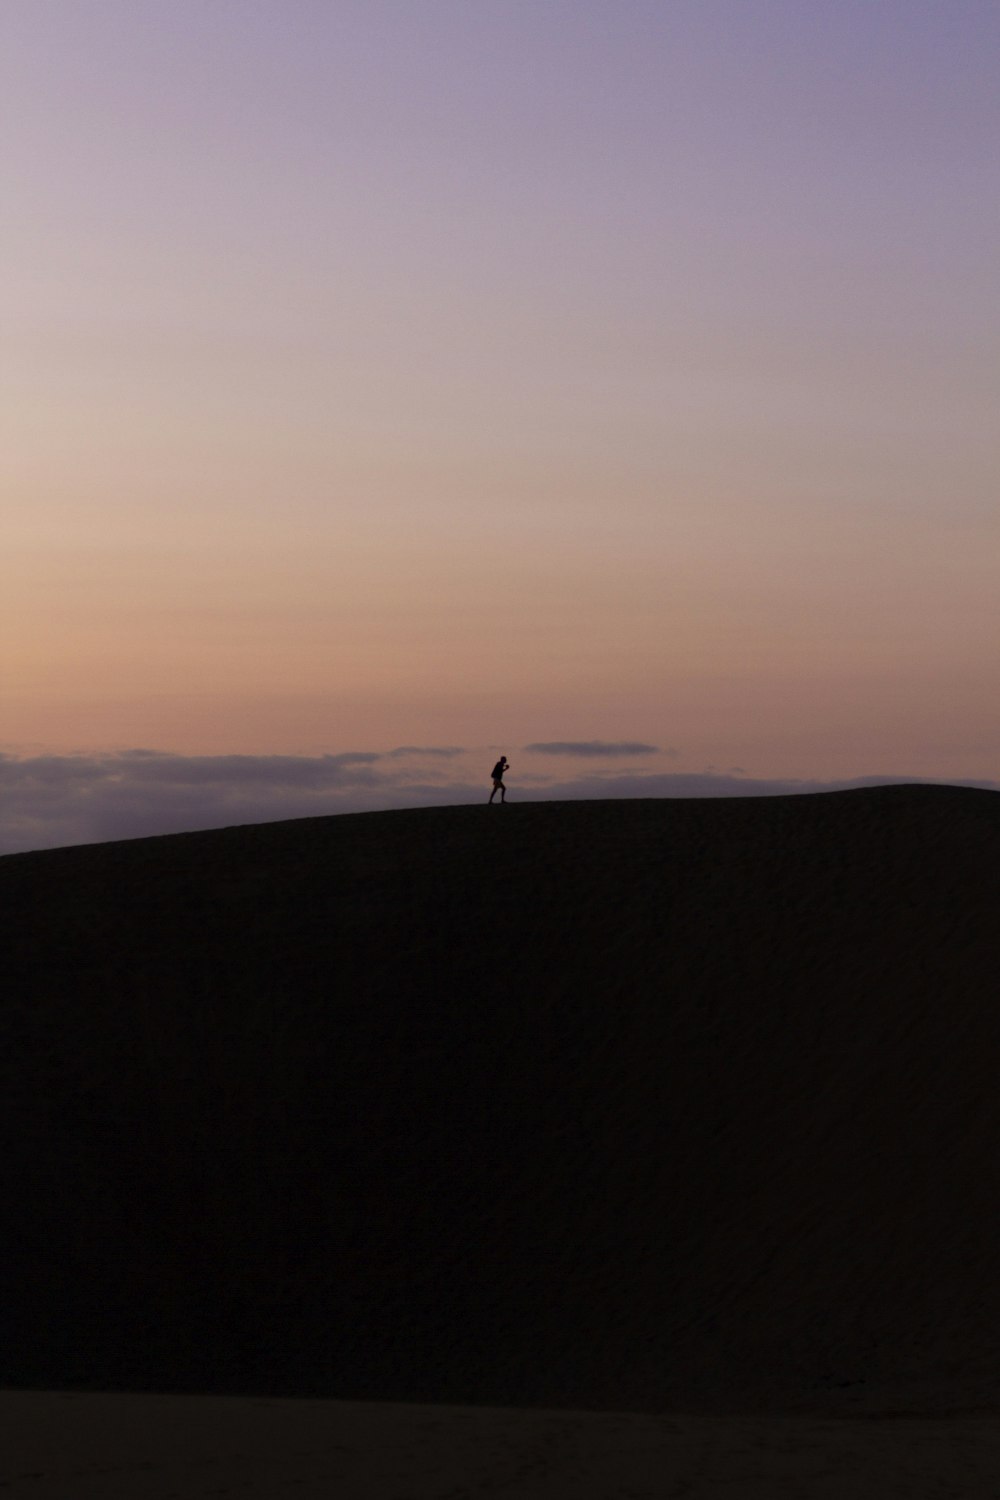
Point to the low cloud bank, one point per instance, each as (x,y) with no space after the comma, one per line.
(49,801)
(447,752)
(595,747)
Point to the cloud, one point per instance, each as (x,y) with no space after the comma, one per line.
(254,770)
(444,751)
(594,747)
(48,801)
(54,800)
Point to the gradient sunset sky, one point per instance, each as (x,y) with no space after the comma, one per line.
(441,373)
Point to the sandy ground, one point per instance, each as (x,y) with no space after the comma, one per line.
(663,1106)
(709,1125)
(115,1447)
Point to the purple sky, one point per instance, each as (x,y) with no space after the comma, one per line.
(457,374)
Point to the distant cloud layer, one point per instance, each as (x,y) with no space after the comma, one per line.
(48,801)
(594,747)
(445,751)
(54,800)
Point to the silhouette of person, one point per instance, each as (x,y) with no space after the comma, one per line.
(501,766)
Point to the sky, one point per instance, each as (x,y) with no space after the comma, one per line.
(441,376)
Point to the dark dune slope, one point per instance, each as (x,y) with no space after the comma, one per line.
(629,1104)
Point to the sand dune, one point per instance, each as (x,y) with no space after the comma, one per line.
(636,1107)
(91,1447)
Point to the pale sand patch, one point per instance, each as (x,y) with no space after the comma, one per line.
(132,1447)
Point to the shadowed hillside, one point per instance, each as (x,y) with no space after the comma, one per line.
(620,1105)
